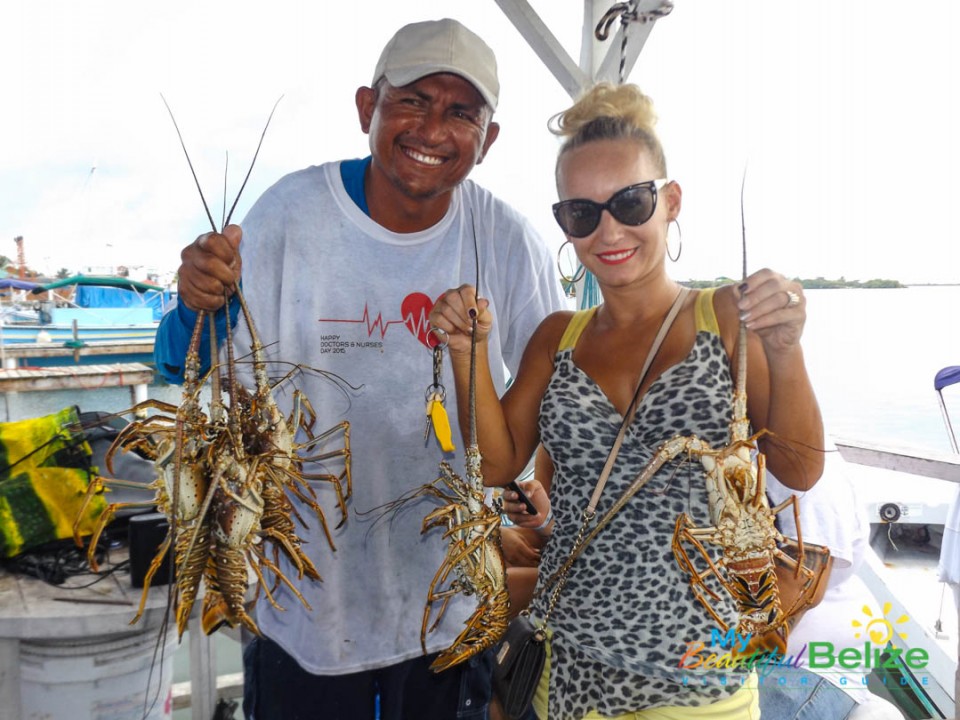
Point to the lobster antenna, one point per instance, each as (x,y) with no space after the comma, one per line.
(739,427)
(190,163)
(743,222)
(226,172)
(252,162)
(473,341)
(206,207)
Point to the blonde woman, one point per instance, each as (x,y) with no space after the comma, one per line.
(626,614)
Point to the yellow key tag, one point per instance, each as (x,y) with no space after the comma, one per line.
(441,424)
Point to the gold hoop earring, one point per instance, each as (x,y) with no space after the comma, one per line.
(577,276)
(679,238)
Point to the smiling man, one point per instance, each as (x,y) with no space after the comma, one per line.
(341,264)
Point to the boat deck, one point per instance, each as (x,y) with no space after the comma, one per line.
(900,569)
(911,554)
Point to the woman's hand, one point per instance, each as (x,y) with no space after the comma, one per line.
(517,511)
(518,546)
(774,308)
(453,315)
(780,396)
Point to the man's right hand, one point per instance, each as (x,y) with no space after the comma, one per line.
(209,267)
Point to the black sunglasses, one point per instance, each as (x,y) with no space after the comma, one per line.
(633,205)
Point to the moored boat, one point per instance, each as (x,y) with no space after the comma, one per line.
(104,315)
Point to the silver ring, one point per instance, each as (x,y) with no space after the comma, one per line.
(793,299)
(440,335)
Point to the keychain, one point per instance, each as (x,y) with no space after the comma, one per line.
(436,396)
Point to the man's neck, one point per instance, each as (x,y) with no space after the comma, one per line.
(400,213)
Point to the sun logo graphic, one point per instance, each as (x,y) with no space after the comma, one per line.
(879,630)
(879,649)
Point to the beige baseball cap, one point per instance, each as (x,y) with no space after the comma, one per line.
(437,46)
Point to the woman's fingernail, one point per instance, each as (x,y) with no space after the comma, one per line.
(743,287)
(744,316)
(472,313)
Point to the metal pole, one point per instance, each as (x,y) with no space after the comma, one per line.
(946,421)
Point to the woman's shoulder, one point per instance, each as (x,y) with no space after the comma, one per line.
(538,356)
(724,293)
(552,329)
(723,300)
(556,323)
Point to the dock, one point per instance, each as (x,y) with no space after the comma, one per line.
(24,370)
(79,377)
(38,378)
(15,352)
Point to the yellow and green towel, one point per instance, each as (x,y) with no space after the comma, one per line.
(44,474)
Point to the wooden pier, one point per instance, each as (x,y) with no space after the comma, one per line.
(75,377)
(15,352)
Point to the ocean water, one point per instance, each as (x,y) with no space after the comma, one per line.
(872,356)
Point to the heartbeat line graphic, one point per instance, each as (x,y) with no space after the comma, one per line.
(419,326)
(414,315)
(377,325)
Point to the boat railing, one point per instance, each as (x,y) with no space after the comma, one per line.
(927,463)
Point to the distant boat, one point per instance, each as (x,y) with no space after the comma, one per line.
(103,309)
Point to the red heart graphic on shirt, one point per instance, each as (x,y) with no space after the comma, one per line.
(415,311)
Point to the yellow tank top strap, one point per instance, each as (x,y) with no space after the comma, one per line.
(575,327)
(705,315)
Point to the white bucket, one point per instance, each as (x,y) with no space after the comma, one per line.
(97,678)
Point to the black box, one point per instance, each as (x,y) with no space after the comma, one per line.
(147,533)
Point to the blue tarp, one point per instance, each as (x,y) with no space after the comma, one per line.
(90,296)
(99,280)
(9,282)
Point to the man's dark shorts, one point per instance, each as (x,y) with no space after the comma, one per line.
(276,687)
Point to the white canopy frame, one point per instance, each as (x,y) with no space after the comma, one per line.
(600,60)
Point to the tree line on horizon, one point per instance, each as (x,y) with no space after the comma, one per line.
(818,283)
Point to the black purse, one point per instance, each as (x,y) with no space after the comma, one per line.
(518,666)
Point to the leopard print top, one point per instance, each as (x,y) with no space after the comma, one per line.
(624,618)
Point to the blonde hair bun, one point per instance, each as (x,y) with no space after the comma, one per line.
(625,103)
(610,112)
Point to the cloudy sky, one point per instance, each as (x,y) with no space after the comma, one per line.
(846,114)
